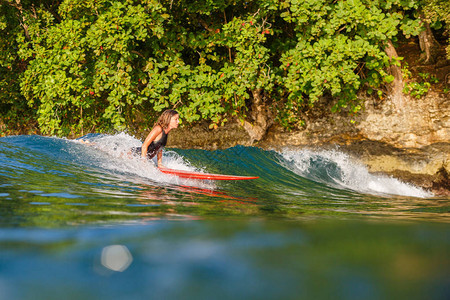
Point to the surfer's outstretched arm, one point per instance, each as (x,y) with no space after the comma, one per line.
(159,155)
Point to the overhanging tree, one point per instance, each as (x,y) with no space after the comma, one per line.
(98,65)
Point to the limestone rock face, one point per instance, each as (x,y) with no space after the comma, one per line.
(420,123)
(201,137)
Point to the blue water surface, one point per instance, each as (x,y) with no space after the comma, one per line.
(87,220)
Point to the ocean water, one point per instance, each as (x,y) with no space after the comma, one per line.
(86,220)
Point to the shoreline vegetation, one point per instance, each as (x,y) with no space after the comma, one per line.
(365,75)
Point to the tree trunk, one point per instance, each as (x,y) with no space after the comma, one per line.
(261,117)
(18,5)
(397,85)
(428,44)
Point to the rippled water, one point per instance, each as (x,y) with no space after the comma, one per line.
(90,221)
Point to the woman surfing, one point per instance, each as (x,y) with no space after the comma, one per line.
(157,138)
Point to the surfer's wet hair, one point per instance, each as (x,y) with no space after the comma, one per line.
(164,119)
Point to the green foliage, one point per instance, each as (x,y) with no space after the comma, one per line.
(418,87)
(13,109)
(94,65)
(84,73)
(339,48)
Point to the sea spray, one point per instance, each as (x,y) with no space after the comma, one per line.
(113,153)
(339,169)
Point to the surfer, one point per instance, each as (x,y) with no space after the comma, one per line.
(157,138)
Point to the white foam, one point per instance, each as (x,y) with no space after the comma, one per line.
(345,172)
(112,152)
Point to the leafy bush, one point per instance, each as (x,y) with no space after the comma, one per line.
(97,65)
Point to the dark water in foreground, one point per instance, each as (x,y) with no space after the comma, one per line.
(88,222)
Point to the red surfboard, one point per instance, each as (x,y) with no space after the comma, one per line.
(204,176)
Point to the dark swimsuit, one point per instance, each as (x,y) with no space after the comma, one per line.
(154,147)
